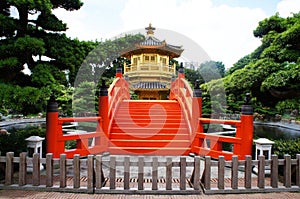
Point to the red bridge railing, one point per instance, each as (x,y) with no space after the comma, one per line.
(87,142)
(208,143)
(117,93)
(189,102)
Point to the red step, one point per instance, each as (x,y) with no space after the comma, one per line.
(161,136)
(153,127)
(155,151)
(150,143)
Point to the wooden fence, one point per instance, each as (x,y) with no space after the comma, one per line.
(88,175)
(247,183)
(101,174)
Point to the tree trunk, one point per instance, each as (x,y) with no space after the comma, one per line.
(23,21)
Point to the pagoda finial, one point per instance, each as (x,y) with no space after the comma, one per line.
(150,30)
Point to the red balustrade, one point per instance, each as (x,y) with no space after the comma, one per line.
(241,143)
(56,139)
(109,101)
(206,143)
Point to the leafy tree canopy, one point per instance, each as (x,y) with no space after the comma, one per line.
(271,73)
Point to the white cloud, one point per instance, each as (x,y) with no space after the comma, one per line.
(91,21)
(224,32)
(286,7)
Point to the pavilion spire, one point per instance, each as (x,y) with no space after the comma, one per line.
(150,30)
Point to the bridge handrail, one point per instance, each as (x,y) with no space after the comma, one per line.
(220,121)
(82,139)
(216,141)
(78,119)
(117,92)
(182,92)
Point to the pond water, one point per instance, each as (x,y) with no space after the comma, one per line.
(264,130)
(275,132)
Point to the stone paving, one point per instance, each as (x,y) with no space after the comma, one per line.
(19,194)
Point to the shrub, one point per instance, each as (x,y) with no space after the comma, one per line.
(291,147)
(15,142)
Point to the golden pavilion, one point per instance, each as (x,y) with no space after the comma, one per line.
(150,73)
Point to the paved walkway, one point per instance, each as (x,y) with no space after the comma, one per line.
(47,195)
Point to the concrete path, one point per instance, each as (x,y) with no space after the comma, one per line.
(19,194)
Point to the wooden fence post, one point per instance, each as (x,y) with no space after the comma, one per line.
(49,170)
(36,169)
(287,171)
(62,171)
(196,173)
(207,172)
(141,173)
(76,167)
(182,173)
(261,172)
(298,170)
(22,169)
(169,174)
(9,169)
(221,170)
(99,173)
(154,173)
(90,173)
(274,171)
(126,172)
(112,172)
(248,172)
(234,172)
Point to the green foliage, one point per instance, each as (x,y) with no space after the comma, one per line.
(211,70)
(15,142)
(191,75)
(274,23)
(85,98)
(50,22)
(270,73)
(241,63)
(288,105)
(23,100)
(206,72)
(29,46)
(291,147)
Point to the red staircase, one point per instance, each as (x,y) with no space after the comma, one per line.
(149,127)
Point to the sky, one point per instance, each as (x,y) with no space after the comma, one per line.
(222,28)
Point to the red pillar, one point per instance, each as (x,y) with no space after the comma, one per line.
(197,105)
(196,113)
(52,128)
(181,71)
(103,112)
(118,72)
(246,128)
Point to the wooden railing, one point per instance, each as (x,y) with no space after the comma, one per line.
(119,175)
(246,181)
(101,174)
(149,67)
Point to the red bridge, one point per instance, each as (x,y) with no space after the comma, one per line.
(150,127)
